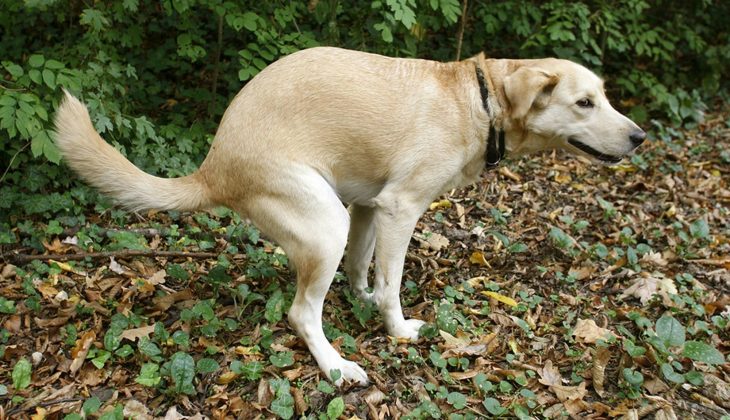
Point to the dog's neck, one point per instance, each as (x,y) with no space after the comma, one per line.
(495,137)
(513,131)
(489,93)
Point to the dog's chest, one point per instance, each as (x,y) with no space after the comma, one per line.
(469,173)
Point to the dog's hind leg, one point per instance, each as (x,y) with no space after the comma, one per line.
(302,213)
(361,244)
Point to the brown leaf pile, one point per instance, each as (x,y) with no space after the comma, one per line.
(546,319)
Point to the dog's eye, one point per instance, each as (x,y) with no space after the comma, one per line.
(585,103)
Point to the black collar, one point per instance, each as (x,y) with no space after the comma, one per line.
(494,153)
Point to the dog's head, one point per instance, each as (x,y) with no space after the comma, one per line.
(558,104)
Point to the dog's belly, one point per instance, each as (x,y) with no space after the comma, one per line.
(357,191)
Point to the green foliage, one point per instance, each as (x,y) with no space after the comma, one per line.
(21,374)
(335,408)
(283,404)
(182,373)
(157,77)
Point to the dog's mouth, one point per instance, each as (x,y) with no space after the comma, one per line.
(603,157)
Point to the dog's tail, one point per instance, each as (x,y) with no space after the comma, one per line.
(102,166)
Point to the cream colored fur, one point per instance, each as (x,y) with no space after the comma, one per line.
(387,136)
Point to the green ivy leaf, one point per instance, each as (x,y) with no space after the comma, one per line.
(21,374)
(457,400)
(91,406)
(517,247)
(283,404)
(702,352)
(182,372)
(325,387)
(275,307)
(699,229)
(49,78)
(670,331)
(207,365)
(250,370)
(36,60)
(335,408)
(148,348)
(116,414)
(695,378)
(54,64)
(100,360)
(633,377)
(35,76)
(149,375)
(15,70)
(112,339)
(671,375)
(493,406)
(203,309)
(282,359)
(7,306)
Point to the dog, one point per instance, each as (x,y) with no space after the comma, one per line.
(326,126)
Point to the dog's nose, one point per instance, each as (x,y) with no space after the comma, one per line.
(637,137)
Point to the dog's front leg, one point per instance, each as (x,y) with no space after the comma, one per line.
(395,219)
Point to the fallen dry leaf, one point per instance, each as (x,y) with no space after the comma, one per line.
(8,271)
(600,359)
(133,334)
(550,375)
(665,413)
(40,414)
(227,377)
(441,204)
(163,303)
(136,410)
(655,386)
(80,350)
(582,273)
(148,285)
(654,258)
(477,257)
(115,266)
(570,393)
(588,332)
(501,298)
(300,403)
(434,241)
(649,285)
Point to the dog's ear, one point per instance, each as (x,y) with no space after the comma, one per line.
(528,87)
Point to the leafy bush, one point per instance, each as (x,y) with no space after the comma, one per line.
(157,76)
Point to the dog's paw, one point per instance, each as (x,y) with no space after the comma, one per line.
(407,329)
(348,372)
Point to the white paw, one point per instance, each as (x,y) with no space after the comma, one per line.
(349,372)
(407,329)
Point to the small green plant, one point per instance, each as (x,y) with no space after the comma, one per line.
(668,339)
(563,241)
(22,374)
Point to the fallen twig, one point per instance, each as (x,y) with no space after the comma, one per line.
(24,258)
(21,409)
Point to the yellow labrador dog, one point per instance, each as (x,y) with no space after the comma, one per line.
(327,126)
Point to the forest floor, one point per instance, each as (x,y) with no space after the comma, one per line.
(553,288)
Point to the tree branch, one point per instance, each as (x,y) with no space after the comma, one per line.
(462,26)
